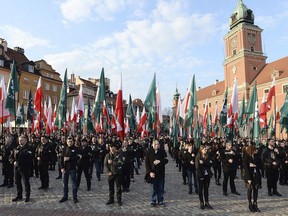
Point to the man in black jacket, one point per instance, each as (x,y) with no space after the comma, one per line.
(43,154)
(22,158)
(270,158)
(155,162)
(230,163)
(69,160)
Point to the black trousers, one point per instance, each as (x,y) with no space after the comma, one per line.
(217,170)
(184,173)
(8,172)
(44,174)
(126,178)
(272,178)
(22,174)
(112,180)
(84,168)
(229,175)
(204,187)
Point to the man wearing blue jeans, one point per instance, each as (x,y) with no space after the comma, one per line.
(69,160)
(155,162)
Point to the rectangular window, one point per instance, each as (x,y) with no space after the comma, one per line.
(285,88)
(1,62)
(47,86)
(266,91)
(54,100)
(234,52)
(31,68)
(209,104)
(25,94)
(26,80)
(55,88)
(204,106)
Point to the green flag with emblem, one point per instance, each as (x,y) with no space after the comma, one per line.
(12,88)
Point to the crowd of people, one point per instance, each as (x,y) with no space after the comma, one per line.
(24,156)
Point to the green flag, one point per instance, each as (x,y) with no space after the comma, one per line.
(251,104)
(241,113)
(191,103)
(223,113)
(30,110)
(62,107)
(130,115)
(20,115)
(100,97)
(12,88)
(150,102)
(284,114)
(89,123)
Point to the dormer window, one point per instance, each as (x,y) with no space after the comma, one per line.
(31,68)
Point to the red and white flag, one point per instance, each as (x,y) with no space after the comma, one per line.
(263,113)
(230,116)
(216,114)
(142,123)
(73,116)
(270,95)
(113,121)
(49,117)
(205,115)
(119,111)
(38,96)
(234,99)
(80,105)
(5,112)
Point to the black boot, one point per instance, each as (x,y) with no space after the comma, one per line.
(202,205)
(251,207)
(256,209)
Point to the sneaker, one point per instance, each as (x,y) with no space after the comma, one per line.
(63,200)
(153,204)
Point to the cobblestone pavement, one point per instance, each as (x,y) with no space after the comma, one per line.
(136,202)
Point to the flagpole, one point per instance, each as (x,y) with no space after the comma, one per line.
(275,119)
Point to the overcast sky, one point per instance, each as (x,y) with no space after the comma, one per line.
(174,39)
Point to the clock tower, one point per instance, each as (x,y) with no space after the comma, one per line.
(244,56)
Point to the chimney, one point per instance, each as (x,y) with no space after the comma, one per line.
(19,49)
(199,88)
(216,81)
(4,43)
(73,78)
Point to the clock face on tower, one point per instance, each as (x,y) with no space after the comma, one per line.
(251,38)
(233,42)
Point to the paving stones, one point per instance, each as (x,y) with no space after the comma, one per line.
(137,201)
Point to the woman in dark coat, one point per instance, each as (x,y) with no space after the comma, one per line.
(203,165)
(251,166)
